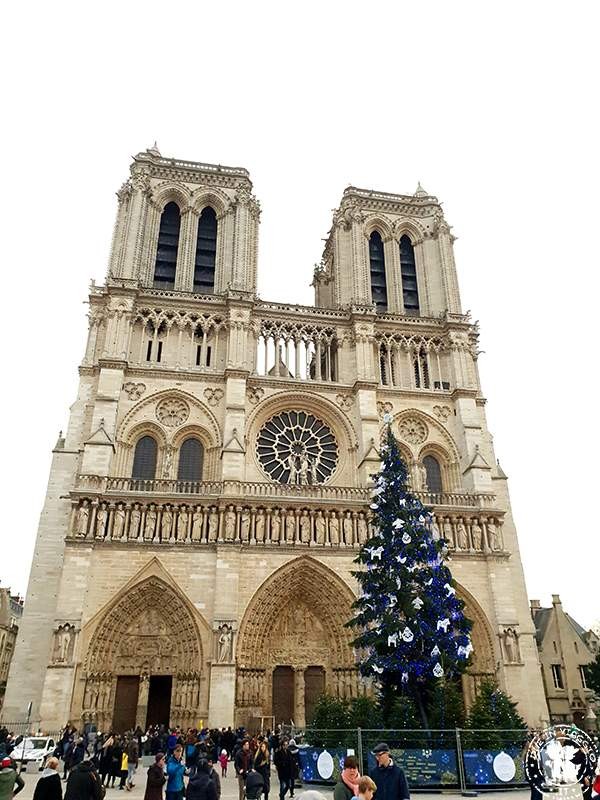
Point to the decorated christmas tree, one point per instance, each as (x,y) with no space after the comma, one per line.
(411,629)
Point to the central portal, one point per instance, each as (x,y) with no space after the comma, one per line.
(159,700)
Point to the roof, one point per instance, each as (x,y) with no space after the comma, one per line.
(542,618)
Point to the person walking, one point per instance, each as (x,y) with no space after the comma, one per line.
(200,785)
(49,786)
(156,778)
(347,786)
(242,763)
(11,782)
(223,761)
(105,759)
(389,778)
(294,752)
(214,776)
(84,783)
(284,764)
(262,764)
(132,762)
(175,773)
(115,762)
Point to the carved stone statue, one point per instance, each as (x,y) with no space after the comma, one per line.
(477,534)
(348,528)
(150,523)
(225,642)
(168,465)
(83,517)
(290,526)
(62,645)
(118,528)
(197,516)
(462,539)
(435,531)
(492,535)
(305,527)
(334,528)
(292,468)
(304,467)
(101,517)
(230,521)
(422,472)
(448,532)
(361,526)
(511,646)
(259,526)
(135,516)
(314,475)
(320,527)
(183,519)
(213,524)
(275,525)
(166,524)
(245,525)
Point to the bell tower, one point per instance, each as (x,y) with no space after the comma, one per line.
(185,226)
(393,251)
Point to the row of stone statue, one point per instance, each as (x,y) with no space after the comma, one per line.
(186,523)
(100,691)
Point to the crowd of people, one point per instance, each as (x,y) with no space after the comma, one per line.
(94,762)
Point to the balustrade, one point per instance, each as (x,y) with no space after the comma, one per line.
(190,523)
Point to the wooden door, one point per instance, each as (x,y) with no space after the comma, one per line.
(159,700)
(314,687)
(283,694)
(126,700)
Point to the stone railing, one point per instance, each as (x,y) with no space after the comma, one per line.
(102,519)
(164,487)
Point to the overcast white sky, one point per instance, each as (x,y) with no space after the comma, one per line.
(492,106)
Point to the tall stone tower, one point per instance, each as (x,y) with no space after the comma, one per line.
(195,551)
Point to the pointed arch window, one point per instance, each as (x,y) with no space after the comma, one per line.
(434,474)
(191,458)
(168,244)
(206,252)
(377,263)
(408,271)
(144,460)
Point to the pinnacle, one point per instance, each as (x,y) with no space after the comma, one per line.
(420,191)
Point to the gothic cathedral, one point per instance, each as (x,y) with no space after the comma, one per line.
(194,554)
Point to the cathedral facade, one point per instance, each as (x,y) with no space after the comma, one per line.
(195,551)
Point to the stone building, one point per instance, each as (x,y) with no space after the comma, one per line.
(195,550)
(11,611)
(565,649)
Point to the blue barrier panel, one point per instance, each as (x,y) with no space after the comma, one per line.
(494,767)
(320,765)
(425,767)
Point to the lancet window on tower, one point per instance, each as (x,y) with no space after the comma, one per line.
(377,264)
(408,271)
(168,245)
(206,252)
(144,459)
(434,474)
(191,457)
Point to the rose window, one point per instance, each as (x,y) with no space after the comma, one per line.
(172,412)
(296,447)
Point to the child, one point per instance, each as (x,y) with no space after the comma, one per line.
(223,759)
(366,788)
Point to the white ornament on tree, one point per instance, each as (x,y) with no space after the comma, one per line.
(417,603)
(406,538)
(408,635)
(438,670)
(435,651)
(443,624)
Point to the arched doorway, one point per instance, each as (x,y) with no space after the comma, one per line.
(144,659)
(483,660)
(293,645)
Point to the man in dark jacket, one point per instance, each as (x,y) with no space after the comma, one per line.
(11,782)
(285,765)
(84,783)
(390,779)
(200,786)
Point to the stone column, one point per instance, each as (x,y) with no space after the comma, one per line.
(299,697)
(142,705)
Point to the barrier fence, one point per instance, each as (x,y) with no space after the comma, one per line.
(456,759)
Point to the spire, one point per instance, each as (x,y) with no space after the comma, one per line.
(154,150)
(420,191)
